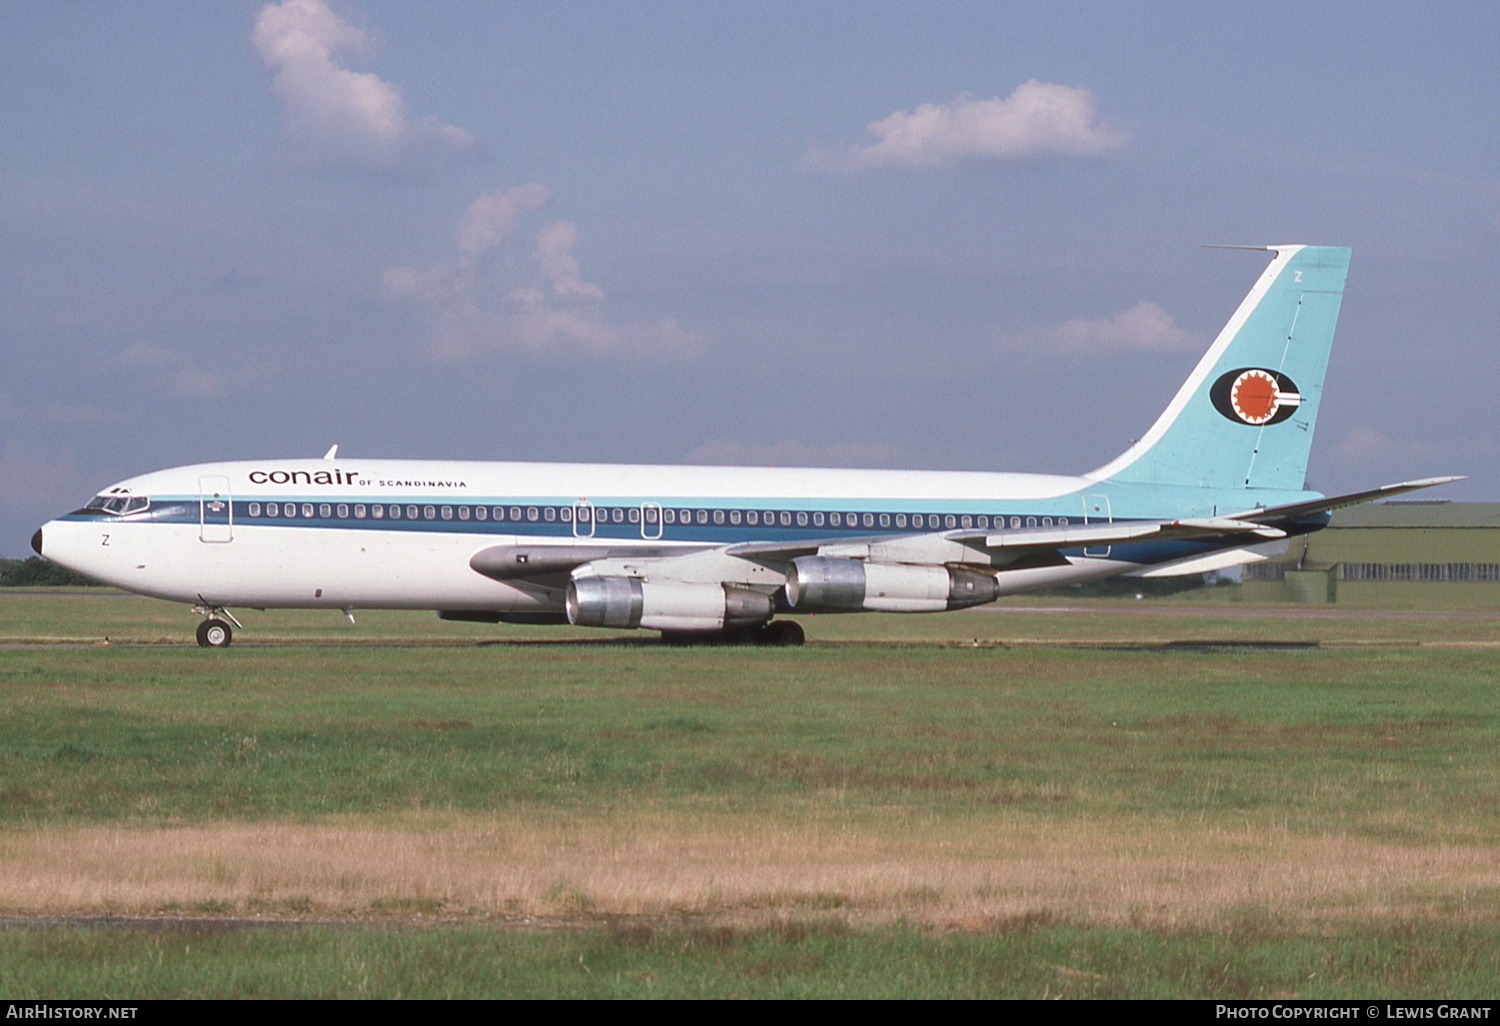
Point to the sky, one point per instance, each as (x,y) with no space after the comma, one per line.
(937,235)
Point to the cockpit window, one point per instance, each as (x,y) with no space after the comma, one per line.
(119,505)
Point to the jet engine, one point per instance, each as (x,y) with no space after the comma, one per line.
(822,584)
(664,605)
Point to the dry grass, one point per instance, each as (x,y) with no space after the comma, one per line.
(560,866)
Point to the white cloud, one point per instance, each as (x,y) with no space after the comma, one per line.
(52,413)
(554,255)
(1366,444)
(178,378)
(194,384)
(333,117)
(145,354)
(1144,328)
(491,299)
(787,453)
(493,215)
(1038,120)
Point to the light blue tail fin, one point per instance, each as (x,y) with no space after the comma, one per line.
(1244,418)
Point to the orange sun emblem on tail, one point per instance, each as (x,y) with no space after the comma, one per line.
(1255,396)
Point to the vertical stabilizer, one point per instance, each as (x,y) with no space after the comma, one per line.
(1244,418)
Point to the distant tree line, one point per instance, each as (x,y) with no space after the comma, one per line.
(36,572)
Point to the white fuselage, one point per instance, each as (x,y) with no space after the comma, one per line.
(209,534)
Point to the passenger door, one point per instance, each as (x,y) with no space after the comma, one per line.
(215,510)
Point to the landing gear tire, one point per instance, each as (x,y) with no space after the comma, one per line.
(214,633)
(783,634)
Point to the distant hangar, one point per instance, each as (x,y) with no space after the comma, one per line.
(1411,554)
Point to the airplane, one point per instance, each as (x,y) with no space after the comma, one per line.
(703,552)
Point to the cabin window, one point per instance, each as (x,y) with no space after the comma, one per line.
(515,512)
(566,514)
(836,519)
(377,511)
(617,515)
(786,518)
(463,512)
(869,519)
(307,509)
(1015,521)
(325,510)
(718,516)
(801,518)
(966,521)
(669,516)
(817,519)
(446,512)
(359,511)
(255,509)
(982,521)
(950,520)
(885,520)
(1031,521)
(752,517)
(343,511)
(702,516)
(429,512)
(633,515)
(652,514)
(549,513)
(273,510)
(480,512)
(735,516)
(532,513)
(768,518)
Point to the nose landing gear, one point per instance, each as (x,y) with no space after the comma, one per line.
(214,632)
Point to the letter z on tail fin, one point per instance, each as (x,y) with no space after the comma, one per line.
(1244,418)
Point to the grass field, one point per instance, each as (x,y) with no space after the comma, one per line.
(1013,801)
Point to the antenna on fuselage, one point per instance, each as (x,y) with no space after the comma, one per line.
(332,452)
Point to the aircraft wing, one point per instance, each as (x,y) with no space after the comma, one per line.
(765,563)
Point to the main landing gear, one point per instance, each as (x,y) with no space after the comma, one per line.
(782,634)
(214,632)
(777,634)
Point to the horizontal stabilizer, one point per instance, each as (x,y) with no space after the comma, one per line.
(1298,510)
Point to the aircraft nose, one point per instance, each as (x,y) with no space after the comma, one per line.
(36,541)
